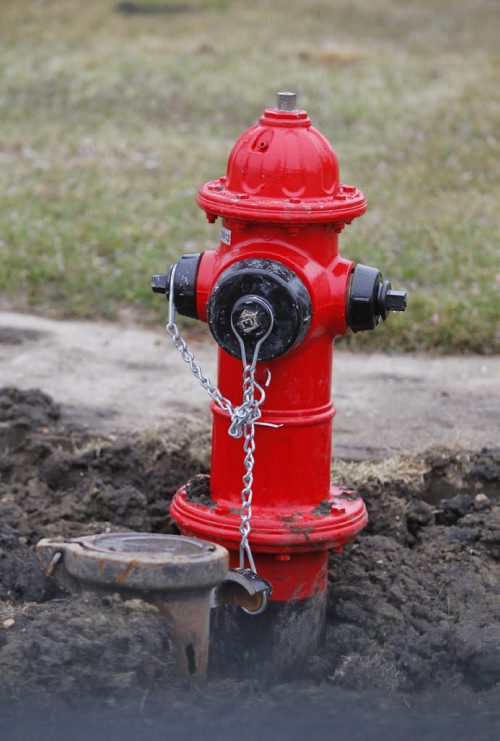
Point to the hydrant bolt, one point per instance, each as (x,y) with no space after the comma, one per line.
(248,321)
(252,316)
(160,283)
(394,300)
(287,101)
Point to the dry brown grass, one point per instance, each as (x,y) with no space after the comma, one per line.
(406,469)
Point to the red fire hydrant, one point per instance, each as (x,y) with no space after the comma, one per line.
(275,294)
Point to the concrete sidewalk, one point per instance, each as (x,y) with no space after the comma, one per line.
(116,378)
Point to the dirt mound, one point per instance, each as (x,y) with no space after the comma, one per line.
(416,598)
(56,480)
(414,603)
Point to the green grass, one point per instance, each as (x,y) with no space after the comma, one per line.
(110,124)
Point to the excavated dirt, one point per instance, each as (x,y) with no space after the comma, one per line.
(413,636)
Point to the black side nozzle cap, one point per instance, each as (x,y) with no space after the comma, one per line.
(370,298)
(186,273)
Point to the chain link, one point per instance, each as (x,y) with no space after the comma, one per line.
(249,450)
(243,417)
(203,380)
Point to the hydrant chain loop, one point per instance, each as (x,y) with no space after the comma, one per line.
(243,417)
(188,357)
(246,496)
(252,407)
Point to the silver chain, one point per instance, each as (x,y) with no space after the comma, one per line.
(243,417)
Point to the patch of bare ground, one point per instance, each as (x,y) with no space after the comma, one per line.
(413,633)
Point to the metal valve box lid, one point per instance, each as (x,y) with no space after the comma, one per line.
(282,170)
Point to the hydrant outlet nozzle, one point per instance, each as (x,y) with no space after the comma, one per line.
(370,299)
(186,272)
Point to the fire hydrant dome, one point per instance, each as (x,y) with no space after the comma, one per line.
(293,162)
(282,169)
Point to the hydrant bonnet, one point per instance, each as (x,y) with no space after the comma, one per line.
(282,170)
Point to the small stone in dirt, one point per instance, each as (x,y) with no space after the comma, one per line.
(138,605)
(8,623)
(481,501)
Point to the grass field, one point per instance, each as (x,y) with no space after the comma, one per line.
(111,121)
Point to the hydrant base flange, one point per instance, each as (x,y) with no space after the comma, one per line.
(279,535)
(331,524)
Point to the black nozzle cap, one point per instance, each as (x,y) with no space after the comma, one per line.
(249,296)
(370,299)
(186,273)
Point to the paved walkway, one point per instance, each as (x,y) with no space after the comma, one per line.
(116,378)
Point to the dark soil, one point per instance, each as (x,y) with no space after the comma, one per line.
(413,635)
